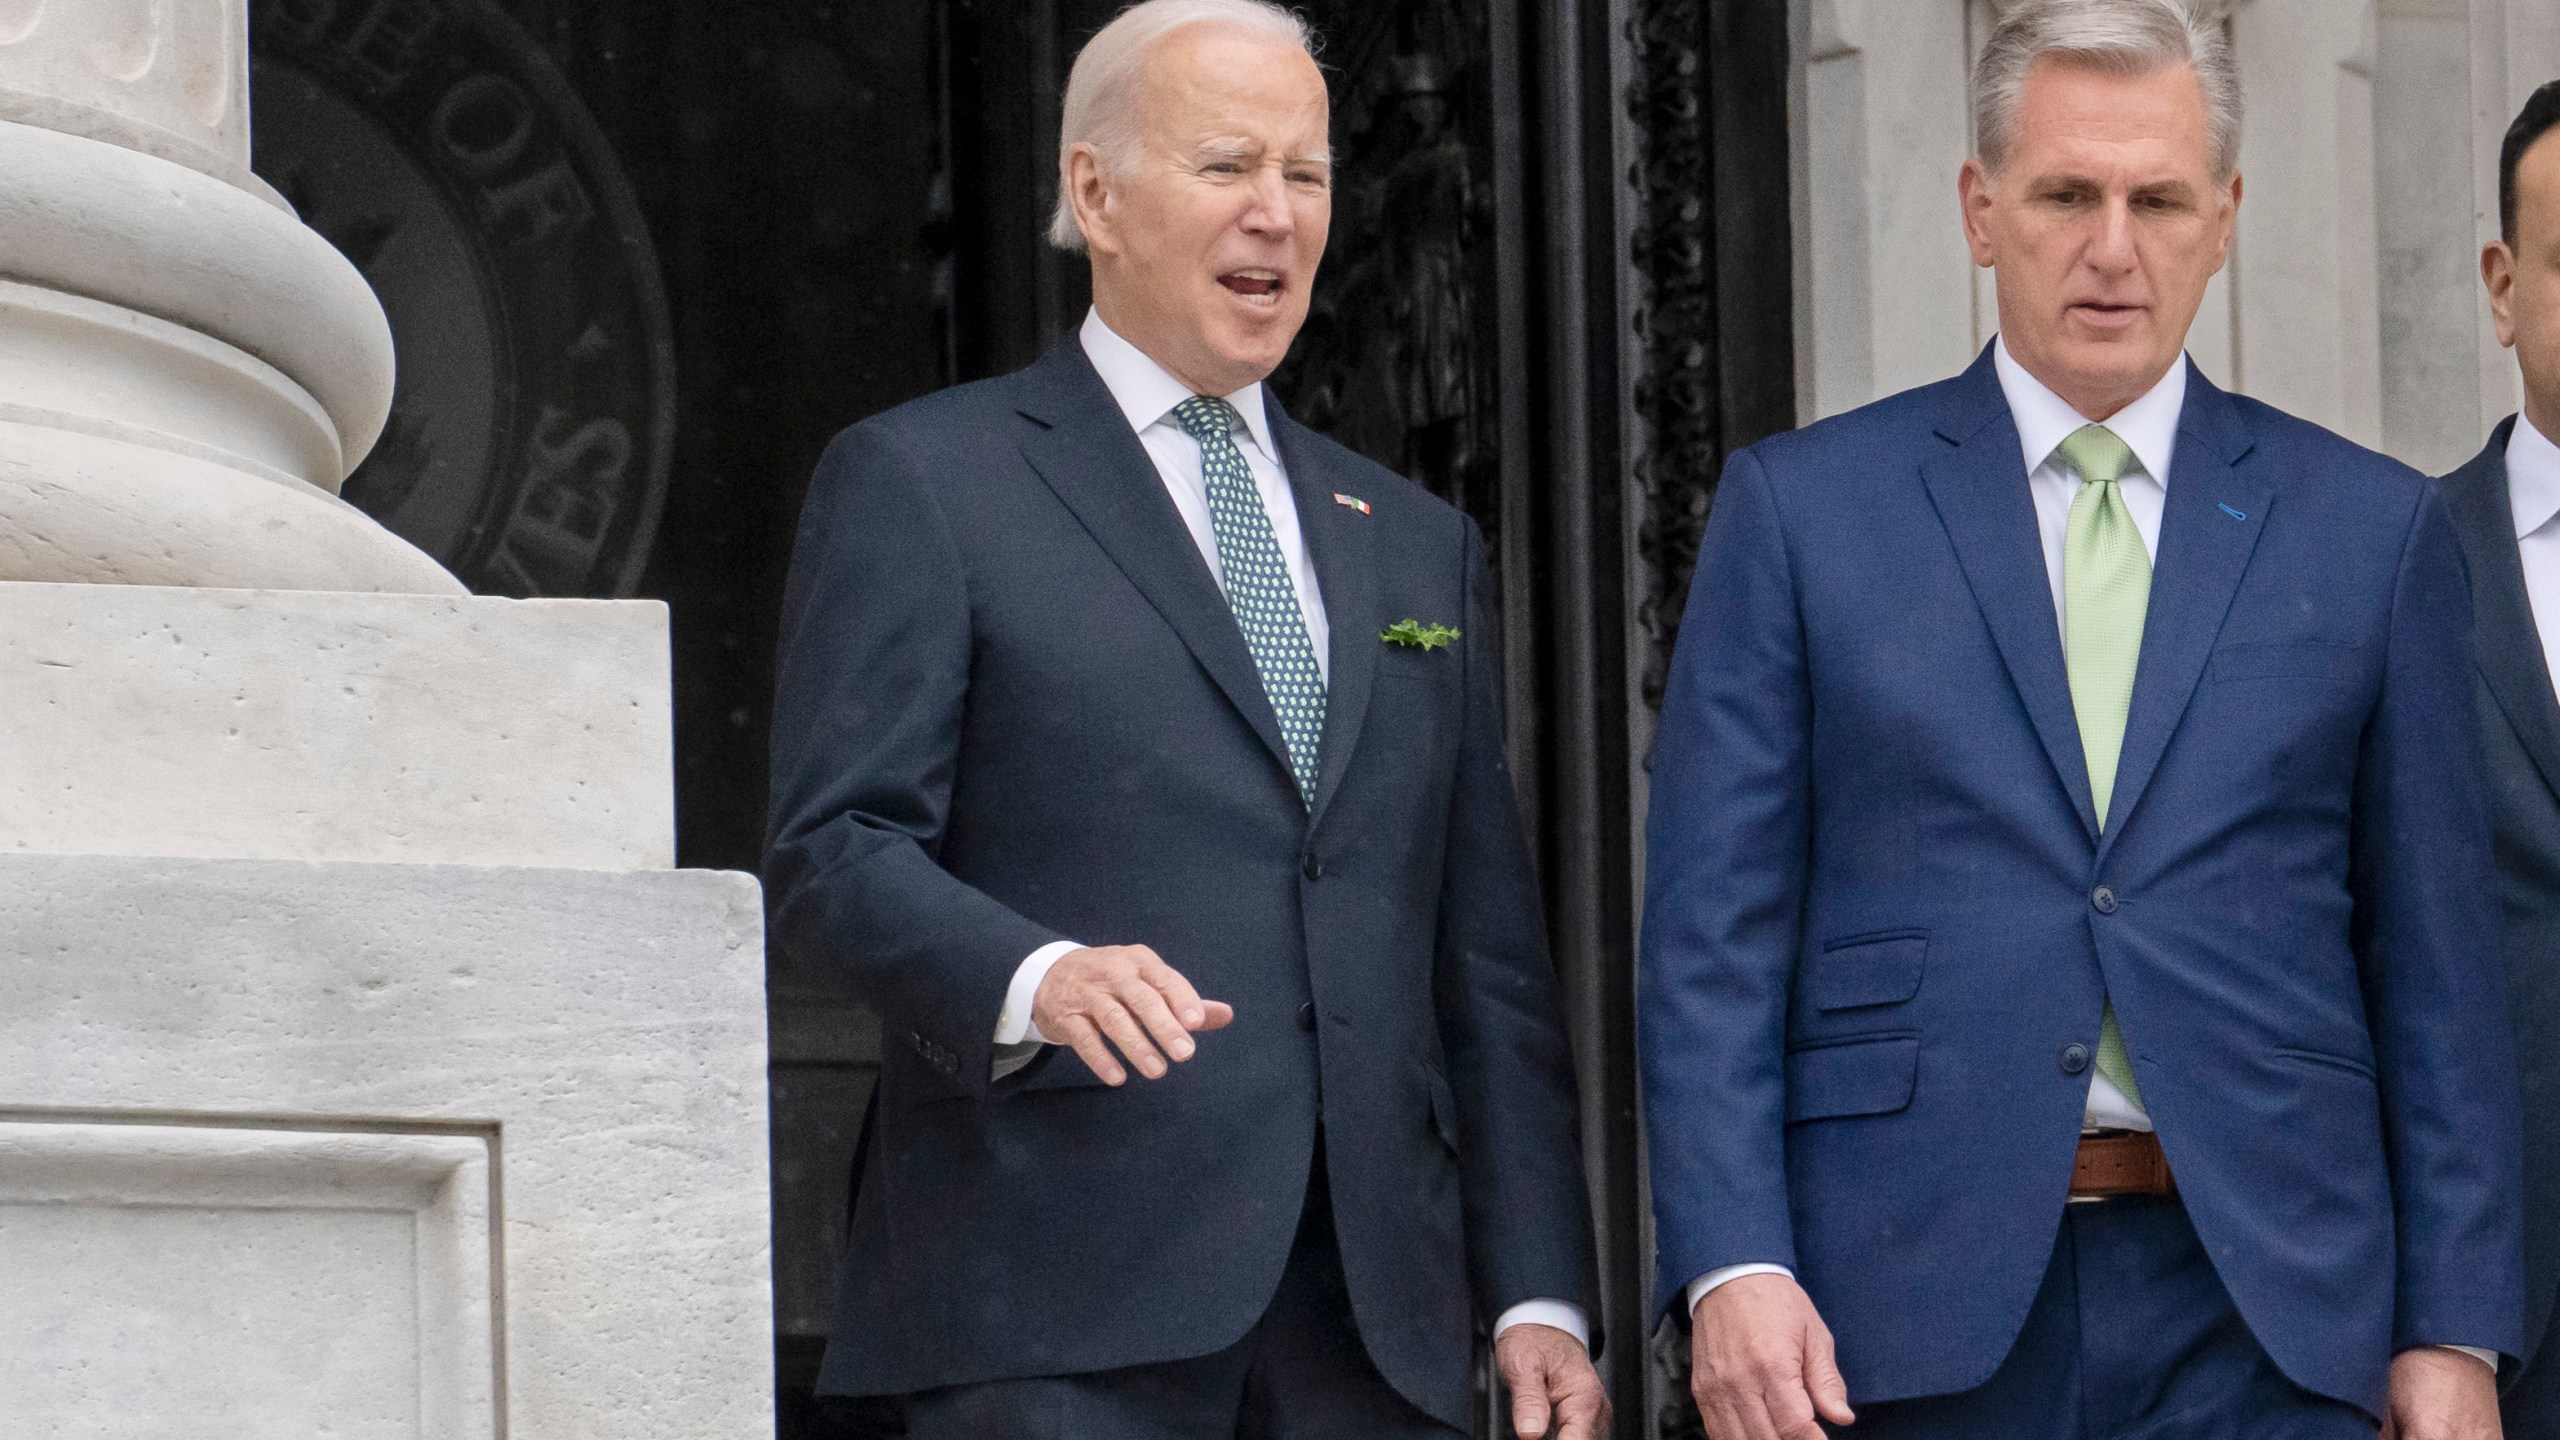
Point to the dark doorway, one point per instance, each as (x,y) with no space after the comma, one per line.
(644,257)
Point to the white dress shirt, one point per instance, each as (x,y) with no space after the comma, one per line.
(2149,428)
(2533,496)
(1147,394)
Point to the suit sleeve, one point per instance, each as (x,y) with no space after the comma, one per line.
(1725,858)
(2427,925)
(870,699)
(1527,1212)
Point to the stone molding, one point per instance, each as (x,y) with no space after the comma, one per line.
(90,1213)
(136,231)
(605,1031)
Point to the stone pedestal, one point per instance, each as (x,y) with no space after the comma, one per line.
(365,1067)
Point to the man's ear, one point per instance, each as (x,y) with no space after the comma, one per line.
(1973,195)
(2498,273)
(2230,222)
(1088,188)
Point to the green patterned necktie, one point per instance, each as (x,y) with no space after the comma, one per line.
(2106,591)
(1258,585)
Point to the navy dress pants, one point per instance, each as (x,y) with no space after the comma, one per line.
(2131,1337)
(1300,1374)
(2531,1406)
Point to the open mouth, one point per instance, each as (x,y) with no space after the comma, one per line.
(1260,285)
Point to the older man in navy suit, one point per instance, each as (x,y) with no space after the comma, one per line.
(2070,991)
(1118,710)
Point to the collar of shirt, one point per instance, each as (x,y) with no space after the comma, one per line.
(2533,478)
(2148,426)
(1146,392)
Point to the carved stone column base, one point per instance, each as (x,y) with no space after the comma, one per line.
(83,508)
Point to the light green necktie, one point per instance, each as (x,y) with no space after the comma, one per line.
(2106,591)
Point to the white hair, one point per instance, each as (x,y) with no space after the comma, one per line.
(2120,37)
(1102,90)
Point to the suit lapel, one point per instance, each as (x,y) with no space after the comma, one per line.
(2217,507)
(1980,490)
(1342,542)
(1084,450)
(2510,643)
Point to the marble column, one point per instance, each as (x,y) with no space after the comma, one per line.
(366,1066)
(187,372)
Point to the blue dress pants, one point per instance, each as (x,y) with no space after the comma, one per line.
(2131,1337)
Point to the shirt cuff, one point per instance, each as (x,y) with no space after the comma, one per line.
(1558,1314)
(2485,1357)
(1013,1022)
(1713,1279)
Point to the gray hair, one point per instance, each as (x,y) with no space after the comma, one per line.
(2120,37)
(1102,89)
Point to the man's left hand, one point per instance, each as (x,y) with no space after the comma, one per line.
(1555,1394)
(2440,1394)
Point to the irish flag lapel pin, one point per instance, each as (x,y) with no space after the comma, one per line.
(1354,501)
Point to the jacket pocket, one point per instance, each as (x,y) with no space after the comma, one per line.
(1867,970)
(2287,659)
(1866,1075)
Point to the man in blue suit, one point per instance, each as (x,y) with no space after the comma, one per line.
(2069,994)
(1116,709)
(2505,507)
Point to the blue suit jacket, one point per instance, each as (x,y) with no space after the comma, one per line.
(1875,951)
(2520,734)
(1014,707)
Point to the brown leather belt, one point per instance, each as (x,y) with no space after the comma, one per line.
(2121,1162)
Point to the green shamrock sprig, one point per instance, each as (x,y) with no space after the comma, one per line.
(1414,632)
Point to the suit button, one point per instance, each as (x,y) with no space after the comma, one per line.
(1307,1016)
(2104,899)
(2075,1058)
(1313,869)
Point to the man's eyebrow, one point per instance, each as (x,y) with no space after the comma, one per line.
(2167,189)
(1234,149)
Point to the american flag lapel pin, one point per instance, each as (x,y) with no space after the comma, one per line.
(1354,501)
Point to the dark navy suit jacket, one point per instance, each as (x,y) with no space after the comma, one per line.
(1015,708)
(2520,732)
(1881,920)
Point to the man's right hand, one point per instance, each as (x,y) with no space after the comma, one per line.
(1127,994)
(1760,1362)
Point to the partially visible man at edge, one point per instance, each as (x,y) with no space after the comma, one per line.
(2067,997)
(1116,708)
(2505,507)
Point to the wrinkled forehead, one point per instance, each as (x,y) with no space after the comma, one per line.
(1210,83)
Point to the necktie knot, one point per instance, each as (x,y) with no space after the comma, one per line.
(1205,417)
(2097,454)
